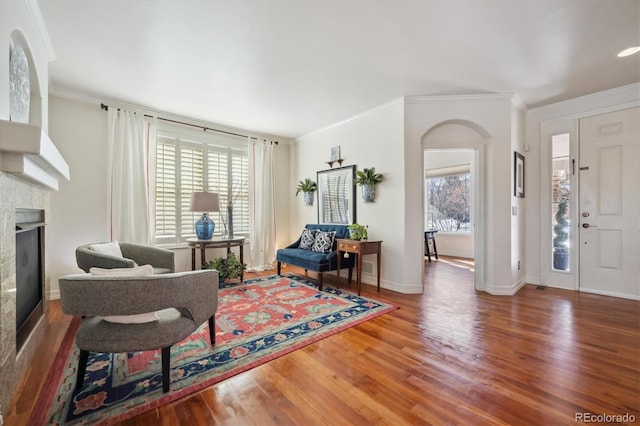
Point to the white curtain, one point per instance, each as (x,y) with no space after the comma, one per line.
(262,216)
(131,140)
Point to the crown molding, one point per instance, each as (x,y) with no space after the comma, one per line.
(352,118)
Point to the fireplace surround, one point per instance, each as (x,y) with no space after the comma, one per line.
(14,361)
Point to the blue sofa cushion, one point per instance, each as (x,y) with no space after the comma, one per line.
(306,259)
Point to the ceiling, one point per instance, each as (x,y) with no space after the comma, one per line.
(290,67)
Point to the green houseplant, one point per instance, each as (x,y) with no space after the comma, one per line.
(367,178)
(358,232)
(227,267)
(307,187)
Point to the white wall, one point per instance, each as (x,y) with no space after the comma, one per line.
(372,139)
(518,210)
(80,207)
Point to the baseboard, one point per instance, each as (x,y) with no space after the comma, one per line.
(505,290)
(610,293)
(54,295)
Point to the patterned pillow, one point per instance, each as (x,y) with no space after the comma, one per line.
(307,238)
(324,241)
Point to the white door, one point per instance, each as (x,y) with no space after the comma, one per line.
(609,213)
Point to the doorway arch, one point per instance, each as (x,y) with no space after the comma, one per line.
(458,134)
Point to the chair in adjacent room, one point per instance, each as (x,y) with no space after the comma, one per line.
(138,313)
(430,237)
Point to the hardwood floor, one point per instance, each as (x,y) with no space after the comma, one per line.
(449,356)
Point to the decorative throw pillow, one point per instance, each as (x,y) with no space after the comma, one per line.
(140,271)
(324,241)
(307,238)
(112,249)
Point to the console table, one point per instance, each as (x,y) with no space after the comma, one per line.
(195,243)
(360,248)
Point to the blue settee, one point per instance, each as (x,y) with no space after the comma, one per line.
(318,262)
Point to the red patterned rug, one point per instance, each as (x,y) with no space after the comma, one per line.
(256,321)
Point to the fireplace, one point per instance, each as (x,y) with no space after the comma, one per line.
(29,272)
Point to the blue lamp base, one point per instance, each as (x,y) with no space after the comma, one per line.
(205,227)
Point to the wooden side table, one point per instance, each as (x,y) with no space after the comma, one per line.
(195,243)
(360,248)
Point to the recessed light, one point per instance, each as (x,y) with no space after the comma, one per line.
(629,51)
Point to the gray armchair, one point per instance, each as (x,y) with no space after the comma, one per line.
(182,302)
(162,260)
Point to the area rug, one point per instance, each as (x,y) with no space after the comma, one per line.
(256,321)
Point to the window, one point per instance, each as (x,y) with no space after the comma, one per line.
(560,201)
(187,161)
(448,199)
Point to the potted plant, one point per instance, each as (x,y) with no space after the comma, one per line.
(308,187)
(227,267)
(368,179)
(561,239)
(358,232)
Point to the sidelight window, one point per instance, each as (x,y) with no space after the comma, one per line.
(560,201)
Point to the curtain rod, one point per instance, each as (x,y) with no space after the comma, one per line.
(106,108)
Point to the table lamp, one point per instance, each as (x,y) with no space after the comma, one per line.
(205,202)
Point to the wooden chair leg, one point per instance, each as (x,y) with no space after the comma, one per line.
(320,280)
(212,330)
(82,367)
(279,267)
(166,363)
(435,249)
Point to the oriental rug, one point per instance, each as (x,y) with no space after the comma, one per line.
(256,321)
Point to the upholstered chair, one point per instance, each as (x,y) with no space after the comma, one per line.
(124,255)
(138,313)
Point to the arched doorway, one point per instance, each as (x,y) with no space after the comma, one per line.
(464,136)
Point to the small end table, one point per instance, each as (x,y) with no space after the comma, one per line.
(195,243)
(360,248)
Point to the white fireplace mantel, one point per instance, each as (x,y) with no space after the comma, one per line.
(29,153)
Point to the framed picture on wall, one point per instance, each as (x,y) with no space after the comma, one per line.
(336,196)
(518,174)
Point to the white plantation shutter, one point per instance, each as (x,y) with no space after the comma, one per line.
(240,178)
(189,161)
(217,181)
(191,166)
(166,188)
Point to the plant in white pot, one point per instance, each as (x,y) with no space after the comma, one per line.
(307,187)
(368,179)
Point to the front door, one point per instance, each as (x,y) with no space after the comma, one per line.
(609,227)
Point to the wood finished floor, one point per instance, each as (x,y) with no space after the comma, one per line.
(449,356)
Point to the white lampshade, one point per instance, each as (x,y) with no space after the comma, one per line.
(205,202)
